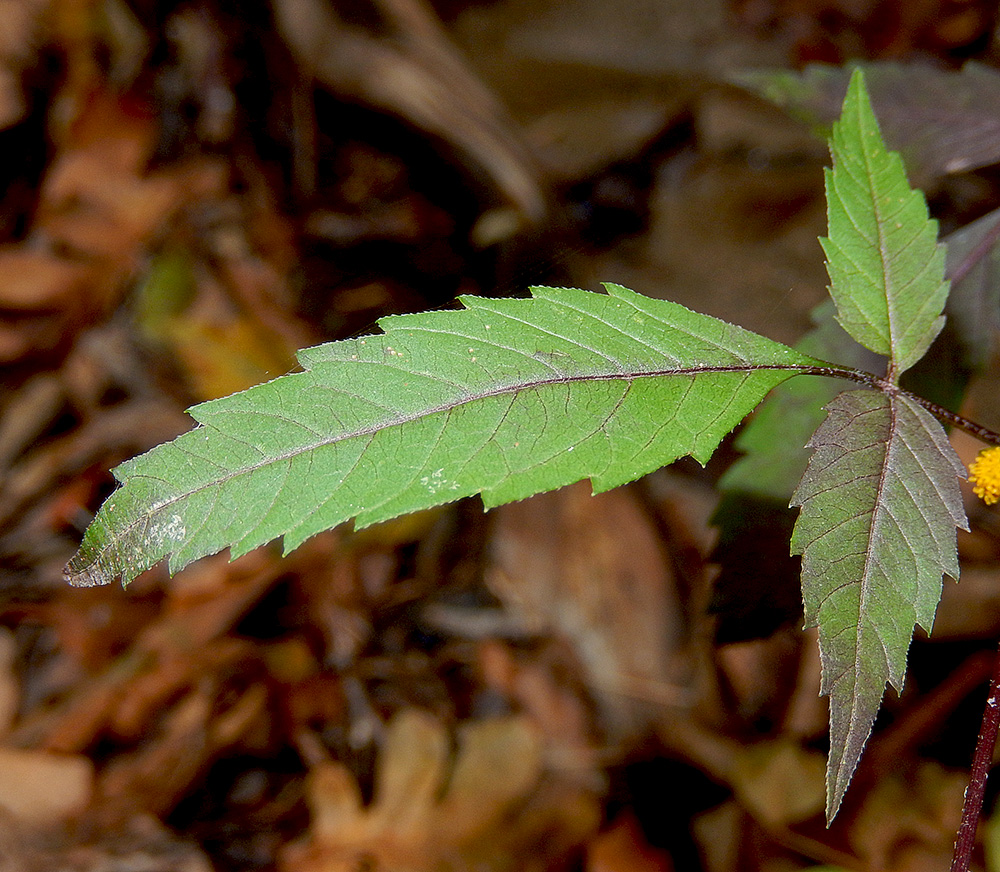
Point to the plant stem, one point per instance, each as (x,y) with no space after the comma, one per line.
(973,808)
(984,434)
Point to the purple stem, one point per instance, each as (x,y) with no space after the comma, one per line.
(966,839)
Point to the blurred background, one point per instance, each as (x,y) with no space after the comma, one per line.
(191,191)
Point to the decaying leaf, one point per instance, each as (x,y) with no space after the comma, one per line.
(429,813)
(592,571)
(942,121)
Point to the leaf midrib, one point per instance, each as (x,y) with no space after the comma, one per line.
(880,224)
(501,390)
(866,587)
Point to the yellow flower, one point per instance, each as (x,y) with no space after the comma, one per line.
(985,475)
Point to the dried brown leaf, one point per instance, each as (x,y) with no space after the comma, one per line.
(592,570)
(32,281)
(42,788)
(423,817)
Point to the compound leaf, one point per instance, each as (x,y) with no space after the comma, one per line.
(886,267)
(506,398)
(879,502)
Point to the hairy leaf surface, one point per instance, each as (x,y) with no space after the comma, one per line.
(880,502)
(886,267)
(506,398)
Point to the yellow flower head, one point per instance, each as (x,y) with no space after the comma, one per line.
(985,475)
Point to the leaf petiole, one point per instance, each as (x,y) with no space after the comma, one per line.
(886,386)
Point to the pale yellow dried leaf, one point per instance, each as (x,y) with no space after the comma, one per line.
(10,687)
(41,788)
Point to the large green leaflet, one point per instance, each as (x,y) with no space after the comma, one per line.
(506,398)
(886,267)
(879,502)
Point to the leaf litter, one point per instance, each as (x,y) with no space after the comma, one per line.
(444,691)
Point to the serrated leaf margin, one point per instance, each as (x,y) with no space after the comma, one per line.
(885,265)
(889,456)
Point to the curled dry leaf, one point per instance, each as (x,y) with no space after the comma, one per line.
(40,788)
(592,570)
(19,34)
(483,817)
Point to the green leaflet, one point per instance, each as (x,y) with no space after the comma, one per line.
(879,495)
(770,466)
(880,502)
(506,398)
(886,268)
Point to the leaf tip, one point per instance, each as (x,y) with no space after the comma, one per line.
(857,82)
(833,801)
(92,575)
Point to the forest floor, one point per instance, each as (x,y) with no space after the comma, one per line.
(192,192)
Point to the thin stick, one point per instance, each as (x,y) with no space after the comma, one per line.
(981,761)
